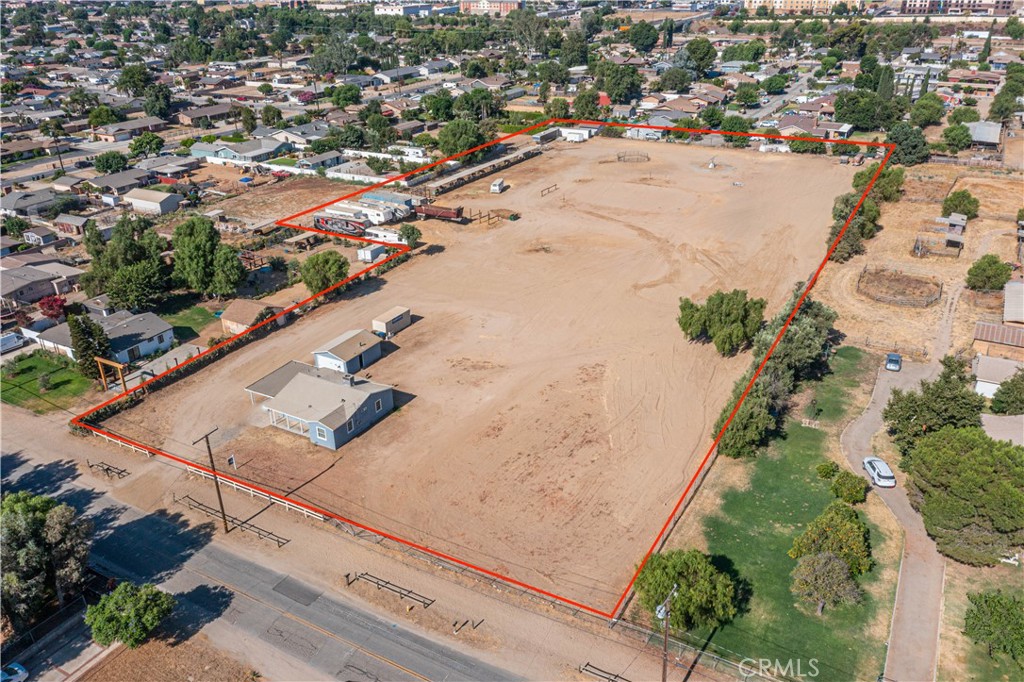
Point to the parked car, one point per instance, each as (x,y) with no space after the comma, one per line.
(11,341)
(15,672)
(879,472)
(893,362)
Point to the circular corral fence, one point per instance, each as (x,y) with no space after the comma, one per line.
(633,157)
(896,287)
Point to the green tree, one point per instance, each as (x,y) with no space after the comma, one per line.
(997,621)
(963,115)
(228,271)
(948,401)
(45,549)
(88,341)
(643,36)
(195,244)
(410,234)
(750,427)
(139,285)
(969,490)
(102,116)
(439,105)
(134,80)
(911,147)
(704,596)
(271,115)
(840,531)
(988,273)
(249,121)
(146,144)
(128,614)
(1014,28)
(110,162)
(824,579)
(957,137)
(774,85)
(928,110)
(322,270)
(460,135)
(346,95)
(585,106)
(574,49)
(729,320)
(1009,397)
(986,49)
(747,94)
(886,83)
(961,201)
(265,89)
(15,226)
(158,100)
(712,116)
(557,108)
(888,186)
(703,54)
(675,79)
(849,487)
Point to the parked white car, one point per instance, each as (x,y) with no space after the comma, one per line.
(879,472)
(11,341)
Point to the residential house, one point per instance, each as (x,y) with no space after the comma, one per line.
(806,126)
(126,130)
(31,203)
(132,336)
(494,83)
(302,136)
(40,236)
(990,372)
(625,111)
(242,153)
(27,284)
(152,202)
(212,113)
(986,135)
(999,340)
(121,183)
(325,160)
(327,406)
(16,150)
(401,74)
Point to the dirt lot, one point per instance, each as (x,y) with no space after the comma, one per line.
(551,412)
(157,661)
(868,322)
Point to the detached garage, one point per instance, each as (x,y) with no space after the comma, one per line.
(990,372)
(152,202)
(352,351)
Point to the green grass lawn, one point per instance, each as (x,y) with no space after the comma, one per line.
(21,383)
(187,318)
(754,528)
(283,161)
(829,395)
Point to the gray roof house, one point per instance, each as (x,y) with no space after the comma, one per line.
(325,160)
(27,203)
(986,134)
(131,336)
(327,406)
(253,151)
(120,183)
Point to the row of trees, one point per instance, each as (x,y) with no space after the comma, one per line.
(864,225)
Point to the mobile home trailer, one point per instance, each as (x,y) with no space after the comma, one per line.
(377,214)
(383,234)
(353,224)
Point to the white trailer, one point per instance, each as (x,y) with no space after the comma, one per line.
(383,234)
(394,320)
(369,254)
(377,215)
(498,186)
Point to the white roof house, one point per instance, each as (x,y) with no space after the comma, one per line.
(152,201)
(1013,302)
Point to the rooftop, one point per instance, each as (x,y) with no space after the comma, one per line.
(350,344)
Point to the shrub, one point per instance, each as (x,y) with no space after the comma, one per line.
(988,273)
(827,470)
(961,201)
(849,487)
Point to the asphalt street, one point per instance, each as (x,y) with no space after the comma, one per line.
(307,633)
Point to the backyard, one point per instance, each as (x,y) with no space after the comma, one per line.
(24,385)
(186,316)
(780,496)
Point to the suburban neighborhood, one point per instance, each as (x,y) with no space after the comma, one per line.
(494,339)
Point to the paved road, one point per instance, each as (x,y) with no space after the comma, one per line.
(913,640)
(295,626)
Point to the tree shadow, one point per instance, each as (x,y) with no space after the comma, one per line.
(196,608)
(744,590)
(153,547)
(433,250)
(176,303)
(43,479)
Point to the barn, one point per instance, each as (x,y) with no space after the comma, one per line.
(352,351)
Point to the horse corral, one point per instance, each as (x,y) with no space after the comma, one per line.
(898,288)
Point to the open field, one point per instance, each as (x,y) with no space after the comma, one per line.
(551,411)
(161,661)
(748,513)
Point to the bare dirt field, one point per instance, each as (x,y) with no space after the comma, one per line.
(551,411)
(274,200)
(159,661)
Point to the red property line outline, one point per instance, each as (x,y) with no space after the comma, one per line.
(79,420)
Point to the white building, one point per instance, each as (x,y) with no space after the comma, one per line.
(989,372)
(153,202)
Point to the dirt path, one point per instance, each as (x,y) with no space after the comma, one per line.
(913,639)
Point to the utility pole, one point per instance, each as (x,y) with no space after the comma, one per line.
(662,612)
(216,481)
